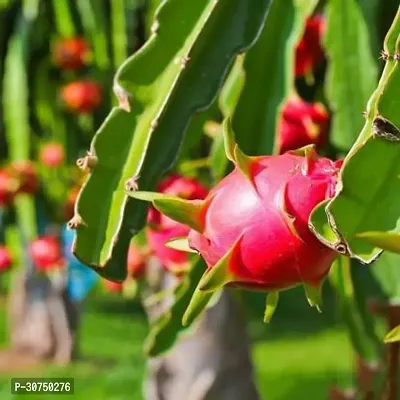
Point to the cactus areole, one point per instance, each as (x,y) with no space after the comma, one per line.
(252,228)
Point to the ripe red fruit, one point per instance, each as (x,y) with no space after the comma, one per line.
(52,154)
(162,229)
(46,253)
(136,262)
(24,172)
(81,96)
(71,54)
(5,259)
(263,224)
(302,124)
(253,230)
(8,187)
(309,51)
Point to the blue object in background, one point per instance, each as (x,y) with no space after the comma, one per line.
(81,278)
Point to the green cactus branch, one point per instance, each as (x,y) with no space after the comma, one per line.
(269,75)
(177,73)
(368,195)
(352,71)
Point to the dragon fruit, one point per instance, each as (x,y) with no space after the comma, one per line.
(252,229)
(71,53)
(46,253)
(82,97)
(302,124)
(8,187)
(162,229)
(309,51)
(52,154)
(5,259)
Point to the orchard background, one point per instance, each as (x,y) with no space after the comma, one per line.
(199,199)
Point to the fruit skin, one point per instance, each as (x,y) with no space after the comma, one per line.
(71,53)
(5,259)
(52,154)
(8,187)
(46,253)
(309,51)
(301,124)
(81,96)
(24,171)
(262,220)
(162,229)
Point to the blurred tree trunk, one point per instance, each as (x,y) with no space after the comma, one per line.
(211,361)
(43,321)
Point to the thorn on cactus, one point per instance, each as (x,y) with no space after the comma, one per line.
(123,97)
(270,306)
(76,222)
(87,163)
(131,185)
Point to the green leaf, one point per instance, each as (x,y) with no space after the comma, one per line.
(166,329)
(384,240)
(269,76)
(63,18)
(270,306)
(176,73)
(352,70)
(386,271)
(314,295)
(119,32)
(370,174)
(180,244)
(220,275)
(94,20)
(363,340)
(393,335)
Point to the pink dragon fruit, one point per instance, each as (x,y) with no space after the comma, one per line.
(162,229)
(252,229)
(302,124)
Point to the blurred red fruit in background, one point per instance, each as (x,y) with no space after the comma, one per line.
(8,187)
(81,96)
(24,172)
(52,154)
(5,259)
(301,124)
(71,53)
(46,253)
(162,229)
(113,286)
(309,51)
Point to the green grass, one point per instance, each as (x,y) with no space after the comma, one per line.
(295,357)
